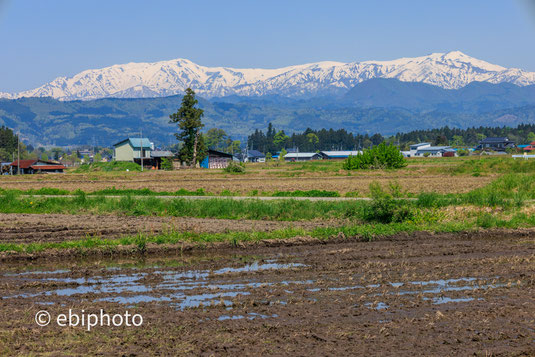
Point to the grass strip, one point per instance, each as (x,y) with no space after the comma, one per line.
(365,232)
(282,210)
(182,192)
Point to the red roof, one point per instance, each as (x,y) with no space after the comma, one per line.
(48,167)
(24,164)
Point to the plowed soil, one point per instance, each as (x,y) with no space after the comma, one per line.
(423,294)
(33,228)
(215,182)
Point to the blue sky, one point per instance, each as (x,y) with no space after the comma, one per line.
(41,40)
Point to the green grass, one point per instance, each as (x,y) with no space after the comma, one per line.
(477,166)
(108,166)
(365,232)
(310,193)
(147,192)
(383,216)
(284,210)
(181,192)
(509,191)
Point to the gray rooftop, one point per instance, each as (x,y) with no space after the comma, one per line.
(341,153)
(434,148)
(161,154)
(299,154)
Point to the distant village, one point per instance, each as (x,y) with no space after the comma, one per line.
(142,151)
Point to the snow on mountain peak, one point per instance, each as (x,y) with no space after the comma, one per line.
(449,70)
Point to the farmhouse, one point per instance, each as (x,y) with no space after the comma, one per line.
(255,156)
(216,160)
(132,149)
(435,151)
(157,156)
(496,144)
(302,156)
(34,166)
(334,155)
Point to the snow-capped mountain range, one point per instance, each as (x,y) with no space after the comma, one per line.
(450,70)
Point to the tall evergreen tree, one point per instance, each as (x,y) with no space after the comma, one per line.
(188,118)
(8,143)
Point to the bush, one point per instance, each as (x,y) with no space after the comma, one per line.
(381,156)
(235,168)
(167,164)
(385,209)
(463,152)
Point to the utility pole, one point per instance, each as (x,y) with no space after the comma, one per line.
(18,153)
(141,147)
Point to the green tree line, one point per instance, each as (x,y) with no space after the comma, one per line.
(329,139)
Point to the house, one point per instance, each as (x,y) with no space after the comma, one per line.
(302,156)
(334,155)
(530,147)
(496,144)
(33,166)
(132,149)
(414,148)
(255,156)
(85,155)
(216,160)
(157,156)
(435,151)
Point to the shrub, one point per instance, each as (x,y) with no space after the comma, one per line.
(385,209)
(282,154)
(235,168)
(167,164)
(463,152)
(381,156)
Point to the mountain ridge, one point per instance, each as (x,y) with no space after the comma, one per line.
(451,70)
(378,105)
(474,97)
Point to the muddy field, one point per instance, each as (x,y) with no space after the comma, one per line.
(410,180)
(35,228)
(423,294)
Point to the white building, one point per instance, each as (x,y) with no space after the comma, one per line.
(302,156)
(435,151)
(333,155)
(414,148)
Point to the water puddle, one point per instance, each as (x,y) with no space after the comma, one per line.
(249,316)
(377,306)
(183,288)
(180,289)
